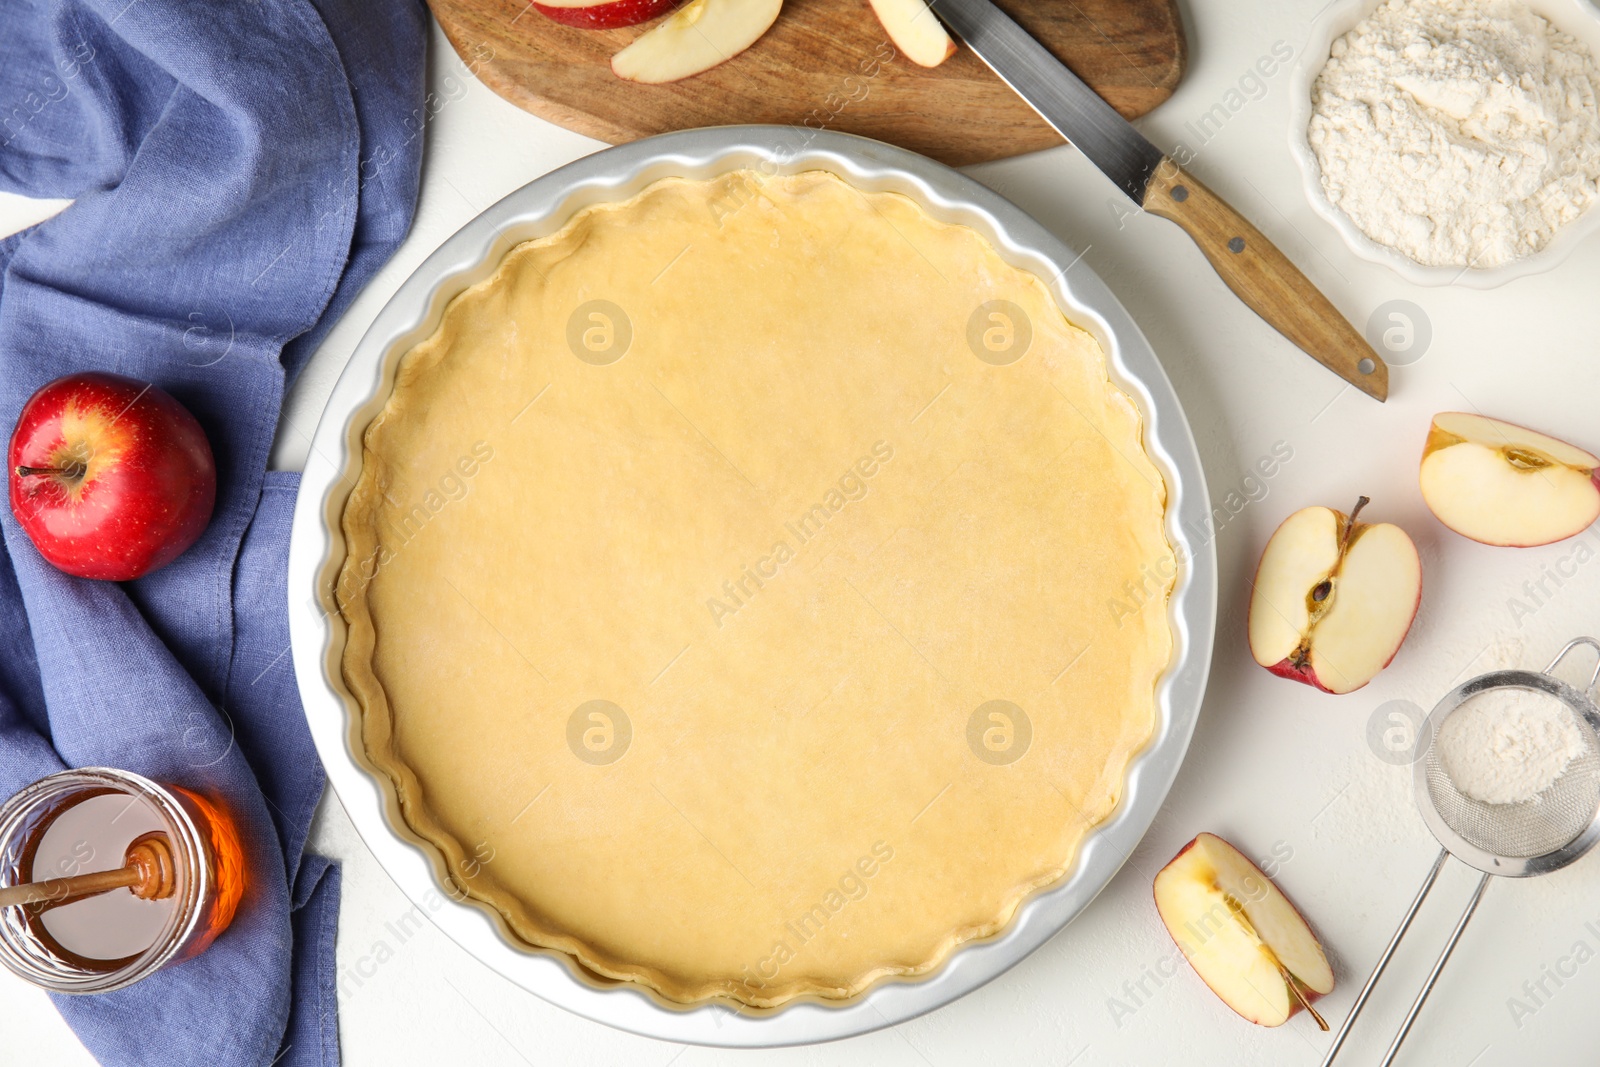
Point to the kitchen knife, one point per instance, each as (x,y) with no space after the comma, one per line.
(1251,265)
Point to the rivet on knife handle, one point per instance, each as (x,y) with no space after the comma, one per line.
(1263,278)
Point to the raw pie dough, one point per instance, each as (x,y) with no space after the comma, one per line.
(687,660)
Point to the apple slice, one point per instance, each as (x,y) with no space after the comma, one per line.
(603,14)
(912,27)
(1504,484)
(1241,934)
(1334,598)
(694,38)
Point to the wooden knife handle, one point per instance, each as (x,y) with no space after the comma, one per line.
(1265,280)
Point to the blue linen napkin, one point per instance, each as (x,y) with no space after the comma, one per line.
(240,170)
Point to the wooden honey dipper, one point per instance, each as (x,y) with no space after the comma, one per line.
(147,870)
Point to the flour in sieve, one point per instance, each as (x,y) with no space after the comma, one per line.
(1458,132)
(1508,746)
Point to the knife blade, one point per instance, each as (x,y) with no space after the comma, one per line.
(1248,263)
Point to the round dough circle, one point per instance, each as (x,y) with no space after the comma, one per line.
(755,589)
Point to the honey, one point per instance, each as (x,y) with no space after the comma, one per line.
(92,820)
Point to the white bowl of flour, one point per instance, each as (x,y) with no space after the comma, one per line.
(1462,137)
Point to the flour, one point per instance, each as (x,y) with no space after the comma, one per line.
(1458,132)
(1508,746)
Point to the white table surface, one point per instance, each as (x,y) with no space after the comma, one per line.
(1274,765)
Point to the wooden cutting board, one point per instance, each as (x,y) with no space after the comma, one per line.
(825,64)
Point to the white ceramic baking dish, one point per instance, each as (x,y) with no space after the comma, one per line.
(540,208)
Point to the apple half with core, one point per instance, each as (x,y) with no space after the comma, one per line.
(1334,598)
(603,14)
(912,27)
(1240,933)
(1504,484)
(694,38)
(110,477)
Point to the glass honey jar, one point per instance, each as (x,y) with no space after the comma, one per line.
(97,821)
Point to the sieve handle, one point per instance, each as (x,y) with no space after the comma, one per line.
(1594,679)
(1383,961)
(1433,976)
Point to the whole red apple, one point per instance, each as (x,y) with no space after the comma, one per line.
(111,477)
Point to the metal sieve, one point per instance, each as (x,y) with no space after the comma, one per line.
(1509,840)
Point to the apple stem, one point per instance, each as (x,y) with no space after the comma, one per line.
(1350,523)
(71,470)
(1324,589)
(1294,987)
